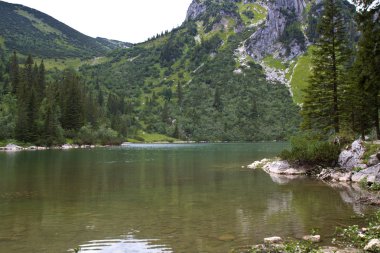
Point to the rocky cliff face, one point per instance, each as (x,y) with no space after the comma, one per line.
(266,40)
(271,36)
(196,8)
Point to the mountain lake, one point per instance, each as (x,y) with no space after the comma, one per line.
(159,198)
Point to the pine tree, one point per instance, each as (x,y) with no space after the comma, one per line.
(52,130)
(322,104)
(14,73)
(41,82)
(72,101)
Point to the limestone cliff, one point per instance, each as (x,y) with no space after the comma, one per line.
(266,40)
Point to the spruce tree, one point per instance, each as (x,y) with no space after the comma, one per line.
(322,104)
(14,73)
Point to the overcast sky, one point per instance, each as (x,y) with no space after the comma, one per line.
(125,20)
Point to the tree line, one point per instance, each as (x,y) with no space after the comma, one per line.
(343,93)
(43,112)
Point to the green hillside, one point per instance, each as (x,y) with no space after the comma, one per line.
(188,83)
(29,31)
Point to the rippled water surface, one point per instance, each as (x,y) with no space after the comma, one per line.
(157,198)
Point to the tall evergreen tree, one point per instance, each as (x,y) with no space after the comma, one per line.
(14,73)
(72,101)
(322,104)
(368,60)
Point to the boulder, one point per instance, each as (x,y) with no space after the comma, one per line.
(335,175)
(352,157)
(374,159)
(371,174)
(258,164)
(373,245)
(283,168)
(272,240)
(330,249)
(312,238)
(13,147)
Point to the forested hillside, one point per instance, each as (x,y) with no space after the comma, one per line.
(211,79)
(29,31)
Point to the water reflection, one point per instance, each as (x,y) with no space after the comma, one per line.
(193,198)
(127,245)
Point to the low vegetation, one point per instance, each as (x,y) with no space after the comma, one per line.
(311,149)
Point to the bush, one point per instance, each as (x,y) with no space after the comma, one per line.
(311,150)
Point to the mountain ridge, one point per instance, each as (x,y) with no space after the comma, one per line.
(29,31)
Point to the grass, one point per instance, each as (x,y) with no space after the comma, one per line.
(300,75)
(274,63)
(370,149)
(153,137)
(260,13)
(39,24)
(74,63)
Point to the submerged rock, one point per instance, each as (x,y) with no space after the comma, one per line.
(226,238)
(312,238)
(273,240)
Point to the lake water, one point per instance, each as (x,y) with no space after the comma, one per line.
(157,198)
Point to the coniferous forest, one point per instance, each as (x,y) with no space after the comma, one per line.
(187,89)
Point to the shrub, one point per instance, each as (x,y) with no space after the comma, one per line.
(310,149)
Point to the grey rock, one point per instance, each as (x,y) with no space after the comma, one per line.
(330,249)
(195,9)
(373,159)
(335,175)
(13,147)
(265,41)
(373,245)
(312,238)
(272,240)
(371,174)
(352,157)
(282,168)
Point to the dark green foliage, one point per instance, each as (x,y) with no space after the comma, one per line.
(323,98)
(249,14)
(366,81)
(292,32)
(71,95)
(309,149)
(195,94)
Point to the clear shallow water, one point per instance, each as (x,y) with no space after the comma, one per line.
(155,199)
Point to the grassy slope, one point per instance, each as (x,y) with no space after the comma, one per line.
(274,63)
(259,12)
(74,63)
(300,75)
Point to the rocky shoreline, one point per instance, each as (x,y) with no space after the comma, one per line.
(354,176)
(351,167)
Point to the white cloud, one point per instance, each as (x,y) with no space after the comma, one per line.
(126,20)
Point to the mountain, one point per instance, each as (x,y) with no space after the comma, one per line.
(29,31)
(233,71)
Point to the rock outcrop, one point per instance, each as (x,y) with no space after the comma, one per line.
(283,168)
(352,156)
(265,41)
(371,175)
